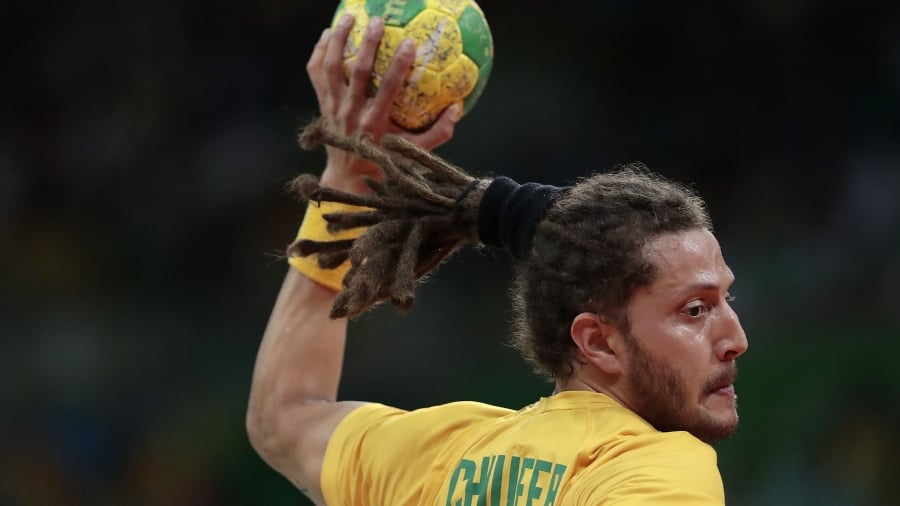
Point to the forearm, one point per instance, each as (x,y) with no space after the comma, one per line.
(300,356)
(302,349)
(299,362)
(301,353)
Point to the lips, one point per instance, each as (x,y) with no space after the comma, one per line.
(726,390)
(723,383)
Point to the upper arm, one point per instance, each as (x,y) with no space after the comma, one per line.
(303,431)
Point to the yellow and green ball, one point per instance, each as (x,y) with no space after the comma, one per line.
(454,53)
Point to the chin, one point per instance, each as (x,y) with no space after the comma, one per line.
(712,428)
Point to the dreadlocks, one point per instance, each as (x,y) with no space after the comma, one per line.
(586,254)
(414,224)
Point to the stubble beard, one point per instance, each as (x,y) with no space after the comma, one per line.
(660,397)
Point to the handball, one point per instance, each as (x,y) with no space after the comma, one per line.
(454,53)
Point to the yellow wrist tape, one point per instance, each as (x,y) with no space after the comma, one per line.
(314,227)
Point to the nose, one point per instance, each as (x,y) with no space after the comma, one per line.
(732,341)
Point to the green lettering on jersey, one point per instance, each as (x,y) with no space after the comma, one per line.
(493,476)
(516,483)
(479,488)
(467,468)
(534,491)
(497,480)
(555,480)
(512,479)
(527,463)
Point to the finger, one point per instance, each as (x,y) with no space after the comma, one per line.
(395,78)
(314,65)
(440,131)
(334,54)
(361,73)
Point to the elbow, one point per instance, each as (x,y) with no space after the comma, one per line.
(266,437)
(286,430)
(258,433)
(278,429)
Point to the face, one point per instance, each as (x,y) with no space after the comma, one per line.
(684,338)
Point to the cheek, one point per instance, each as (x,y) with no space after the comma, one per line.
(692,334)
(683,344)
(688,352)
(675,338)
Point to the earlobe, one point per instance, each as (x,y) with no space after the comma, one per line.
(596,340)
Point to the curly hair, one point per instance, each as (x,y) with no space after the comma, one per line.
(586,253)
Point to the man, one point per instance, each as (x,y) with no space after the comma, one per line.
(622,298)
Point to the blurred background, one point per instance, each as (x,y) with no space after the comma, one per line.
(144,147)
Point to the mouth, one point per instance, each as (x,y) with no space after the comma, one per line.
(723,384)
(726,391)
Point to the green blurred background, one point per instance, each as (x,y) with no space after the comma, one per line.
(143,152)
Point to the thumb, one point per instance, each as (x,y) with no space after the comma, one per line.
(441,130)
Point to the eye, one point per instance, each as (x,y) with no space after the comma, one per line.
(729,297)
(696,309)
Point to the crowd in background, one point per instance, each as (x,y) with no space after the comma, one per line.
(144,148)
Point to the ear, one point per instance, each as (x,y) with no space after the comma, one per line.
(599,341)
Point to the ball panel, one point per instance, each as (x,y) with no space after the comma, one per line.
(346,3)
(438,39)
(459,79)
(453,58)
(452,8)
(418,106)
(477,42)
(483,72)
(356,8)
(395,12)
(390,41)
(354,39)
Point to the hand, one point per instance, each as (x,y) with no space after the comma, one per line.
(352,112)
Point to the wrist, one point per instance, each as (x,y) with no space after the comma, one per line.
(314,230)
(350,176)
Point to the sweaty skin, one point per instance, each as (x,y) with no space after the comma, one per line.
(675,363)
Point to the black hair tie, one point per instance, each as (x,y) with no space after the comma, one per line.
(509,213)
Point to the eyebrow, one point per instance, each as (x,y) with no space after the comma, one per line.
(706,286)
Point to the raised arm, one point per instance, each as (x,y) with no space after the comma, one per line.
(293,408)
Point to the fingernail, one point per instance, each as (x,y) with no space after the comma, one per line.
(375,23)
(346,20)
(407,45)
(324,35)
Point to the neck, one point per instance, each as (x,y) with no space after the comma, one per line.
(579,383)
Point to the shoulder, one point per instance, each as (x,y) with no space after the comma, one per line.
(379,417)
(666,467)
(375,420)
(668,447)
(378,451)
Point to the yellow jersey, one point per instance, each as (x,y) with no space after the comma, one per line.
(574,448)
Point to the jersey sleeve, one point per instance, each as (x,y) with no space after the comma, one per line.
(668,469)
(382,455)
